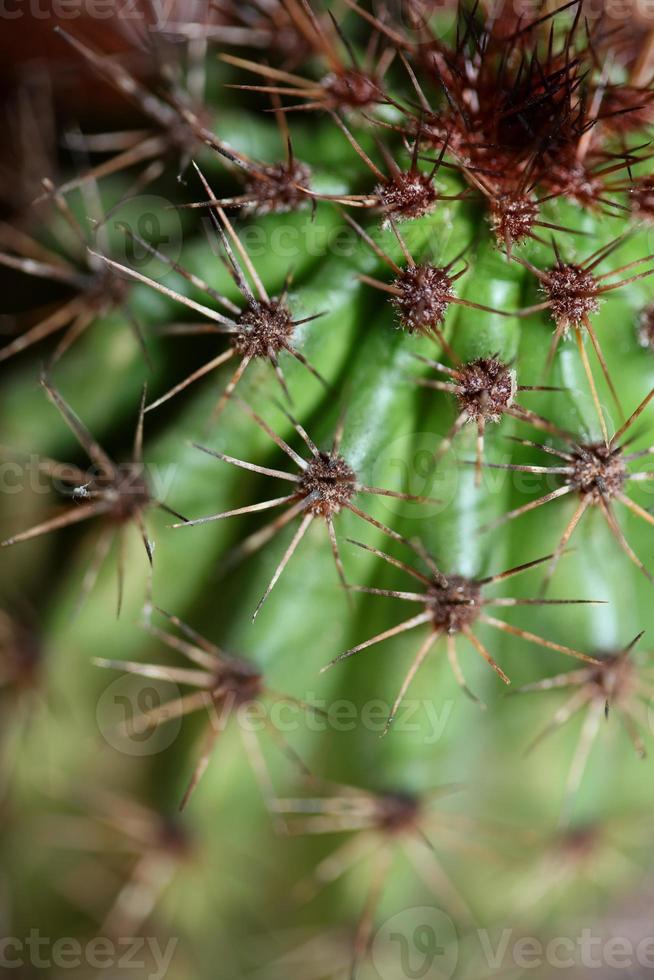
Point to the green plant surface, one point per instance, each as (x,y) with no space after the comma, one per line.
(235,902)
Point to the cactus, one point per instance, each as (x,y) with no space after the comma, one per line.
(333,663)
